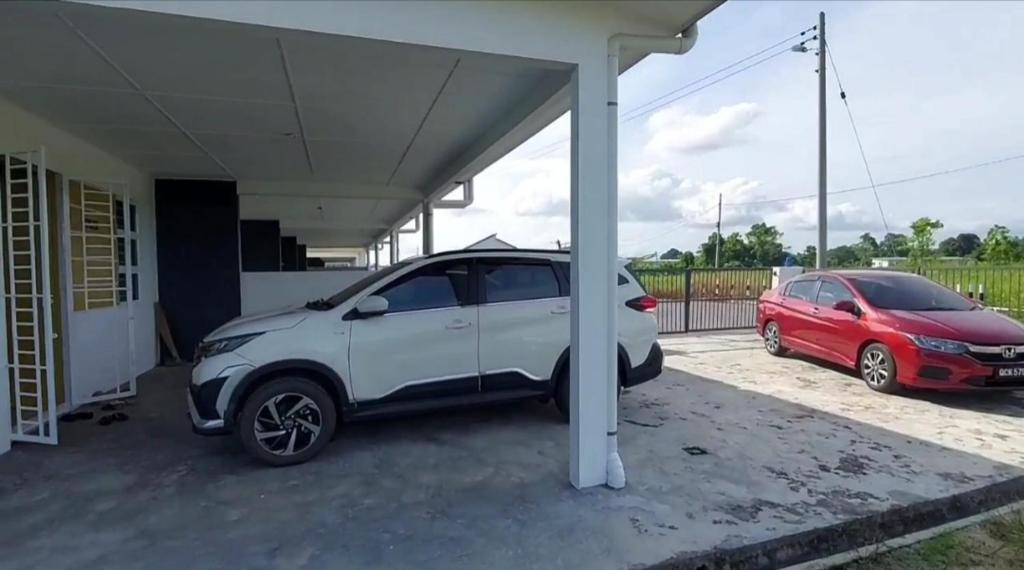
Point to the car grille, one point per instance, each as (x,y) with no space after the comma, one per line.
(996,357)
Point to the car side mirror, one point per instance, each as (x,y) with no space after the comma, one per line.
(847,306)
(372,306)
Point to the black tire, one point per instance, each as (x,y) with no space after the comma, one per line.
(299,440)
(562,397)
(878,369)
(773,339)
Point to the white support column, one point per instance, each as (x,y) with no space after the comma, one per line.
(593,214)
(428,228)
(393,248)
(376,255)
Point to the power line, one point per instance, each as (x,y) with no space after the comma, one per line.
(714,73)
(886,183)
(636,112)
(705,86)
(856,135)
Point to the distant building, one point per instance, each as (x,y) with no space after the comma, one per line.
(491,242)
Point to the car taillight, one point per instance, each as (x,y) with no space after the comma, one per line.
(645,304)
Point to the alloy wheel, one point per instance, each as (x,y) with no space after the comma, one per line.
(771,338)
(288,423)
(875,368)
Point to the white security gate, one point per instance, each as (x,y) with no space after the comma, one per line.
(27,299)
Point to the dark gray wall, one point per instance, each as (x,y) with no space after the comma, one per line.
(197,257)
(261,245)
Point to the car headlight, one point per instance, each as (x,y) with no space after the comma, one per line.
(222,345)
(938,344)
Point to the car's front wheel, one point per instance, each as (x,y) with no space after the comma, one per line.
(773,339)
(878,369)
(287,421)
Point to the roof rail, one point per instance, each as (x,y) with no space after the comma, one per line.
(510,252)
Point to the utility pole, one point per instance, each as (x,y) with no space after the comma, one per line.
(822,174)
(718,231)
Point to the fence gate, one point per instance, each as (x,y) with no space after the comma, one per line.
(691,300)
(27,301)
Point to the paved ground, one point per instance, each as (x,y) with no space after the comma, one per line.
(791,447)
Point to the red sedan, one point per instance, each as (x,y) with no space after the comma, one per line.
(898,329)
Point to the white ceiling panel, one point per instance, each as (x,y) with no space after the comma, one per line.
(87,107)
(52,54)
(128,140)
(355,162)
(260,158)
(178,165)
(469,98)
(312,210)
(221,59)
(231,117)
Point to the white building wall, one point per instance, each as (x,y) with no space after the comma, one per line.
(269,290)
(72,157)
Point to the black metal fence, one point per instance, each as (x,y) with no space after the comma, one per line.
(999,288)
(691,300)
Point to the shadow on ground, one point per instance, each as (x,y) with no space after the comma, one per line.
(477,488)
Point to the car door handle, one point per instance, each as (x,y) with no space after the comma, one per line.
(559,310)
(456,325)
(815,310)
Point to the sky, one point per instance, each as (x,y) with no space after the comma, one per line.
(932,86)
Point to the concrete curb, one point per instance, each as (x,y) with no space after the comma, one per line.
(847,538)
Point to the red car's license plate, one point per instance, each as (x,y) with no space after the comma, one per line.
(1016,372)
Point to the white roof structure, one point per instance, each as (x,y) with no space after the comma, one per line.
(338,134)
(490,242)
(346,121)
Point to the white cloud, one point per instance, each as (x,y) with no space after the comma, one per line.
(844,216)
(675,130)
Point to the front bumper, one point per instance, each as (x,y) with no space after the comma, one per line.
(214,380)
(649,369)
(938,371)
(203,426)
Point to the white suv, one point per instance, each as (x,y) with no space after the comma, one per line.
(453,329)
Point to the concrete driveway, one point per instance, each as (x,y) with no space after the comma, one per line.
(781,450)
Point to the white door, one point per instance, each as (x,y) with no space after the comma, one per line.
(27,301)
(524,323)
(103,270)
(425,345)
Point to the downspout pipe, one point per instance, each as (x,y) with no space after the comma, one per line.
(415,228)
(465,202)
(616,473)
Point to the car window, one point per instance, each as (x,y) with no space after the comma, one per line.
(434,286)
(519,282)
(564,266)
(803,290)
(831,292)
(904,292)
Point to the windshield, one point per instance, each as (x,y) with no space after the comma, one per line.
(343,295)
(908,293)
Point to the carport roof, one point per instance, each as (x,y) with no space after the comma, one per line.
(372,127)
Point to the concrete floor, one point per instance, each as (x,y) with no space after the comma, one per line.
(791,446)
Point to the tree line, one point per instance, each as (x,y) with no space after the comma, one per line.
(761,246)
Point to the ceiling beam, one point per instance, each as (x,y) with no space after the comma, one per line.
(138,89)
